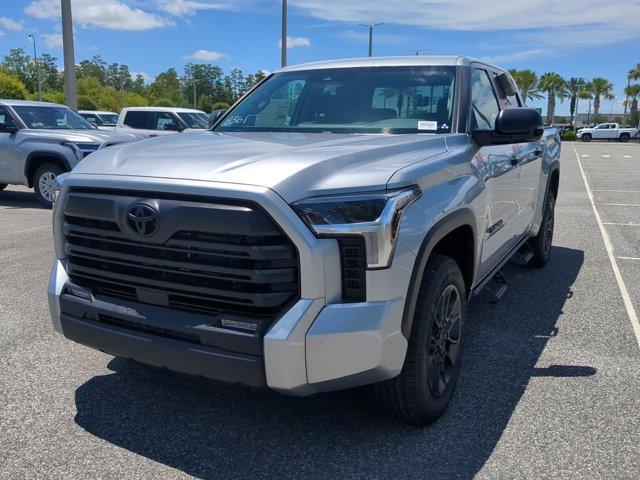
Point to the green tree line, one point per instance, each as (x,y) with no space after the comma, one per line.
(556,88)
(112,86)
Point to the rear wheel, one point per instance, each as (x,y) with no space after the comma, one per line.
(422,391)
(44,182)
(541,243)
(624,138)
(3,186)
(586,137)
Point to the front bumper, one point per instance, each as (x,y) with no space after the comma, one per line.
(317,344)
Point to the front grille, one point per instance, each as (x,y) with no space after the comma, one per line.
(208,256)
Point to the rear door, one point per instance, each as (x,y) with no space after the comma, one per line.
(500,174)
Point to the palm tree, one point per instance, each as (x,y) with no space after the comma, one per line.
(527,82)
(633,74)
(633,92)
(601,88)
(556,88)
(586,94)
(574,87)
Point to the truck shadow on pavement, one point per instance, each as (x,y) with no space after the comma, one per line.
(19,199)
(212,431)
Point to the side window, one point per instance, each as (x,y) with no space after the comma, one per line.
(6,118)
(506,100)
(138,120)
(162,120)
(484,105)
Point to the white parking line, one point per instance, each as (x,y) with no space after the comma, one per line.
(627,156)
(629,258)
(619,204)
(618,191)
(606,156)
(631,311)
(584,155)
(622,224)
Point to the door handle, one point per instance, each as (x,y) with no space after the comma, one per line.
(537,152)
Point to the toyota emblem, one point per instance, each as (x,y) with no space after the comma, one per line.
(142,219)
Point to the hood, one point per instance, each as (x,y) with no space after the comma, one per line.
(295,165)
(77,136)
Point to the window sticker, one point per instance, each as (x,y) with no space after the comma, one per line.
(427,125)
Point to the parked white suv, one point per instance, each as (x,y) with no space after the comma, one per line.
(607,131)
(154,121)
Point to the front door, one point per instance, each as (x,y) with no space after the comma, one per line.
(499,171)
(8,158)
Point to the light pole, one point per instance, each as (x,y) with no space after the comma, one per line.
(613,101)
(371,26)
(283,41)
(193,80)
(35,62)
(69,61)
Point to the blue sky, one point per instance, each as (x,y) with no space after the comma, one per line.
(578,38)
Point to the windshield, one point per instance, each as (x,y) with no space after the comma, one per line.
(109,118)
(195,119)
(349,100)
(53,118)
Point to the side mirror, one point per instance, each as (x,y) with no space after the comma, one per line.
(215,116)
(513,125)
(173,127)
(4,128)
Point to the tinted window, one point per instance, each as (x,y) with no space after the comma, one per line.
(484,105)
(109,118)
(507,100)
(90,117)
(349,100)
(52,118)
(195,119)
(141,120)
(6,118)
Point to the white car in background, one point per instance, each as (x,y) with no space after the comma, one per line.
(155,121)
(607,131)
(103,120)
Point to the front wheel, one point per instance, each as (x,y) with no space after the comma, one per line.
(44,182)
(586,137)
(541,243)
(624,138)
(422,391)
(3,186)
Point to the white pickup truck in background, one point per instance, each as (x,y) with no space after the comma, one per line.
(607,131)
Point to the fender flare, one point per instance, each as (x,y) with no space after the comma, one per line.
(446,225)
(43,153)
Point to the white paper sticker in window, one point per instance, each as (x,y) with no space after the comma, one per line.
(428,125)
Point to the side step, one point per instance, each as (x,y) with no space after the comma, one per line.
(524,255)
(497,287)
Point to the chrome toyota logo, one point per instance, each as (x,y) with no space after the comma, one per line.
(142,219)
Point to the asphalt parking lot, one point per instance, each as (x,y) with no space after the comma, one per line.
(550,385)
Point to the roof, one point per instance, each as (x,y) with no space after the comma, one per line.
(163,109)
(28,103)
(406,61)
(98,112)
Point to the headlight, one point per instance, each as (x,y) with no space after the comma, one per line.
(373,216)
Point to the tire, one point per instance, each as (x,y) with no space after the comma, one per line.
(43,182)
(541,243)
(422,391)
(624,138)
(586,137)
(3,186)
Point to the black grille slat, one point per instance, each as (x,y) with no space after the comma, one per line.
(353,263)
(206,271)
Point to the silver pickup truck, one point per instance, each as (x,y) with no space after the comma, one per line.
(39,141)
(327,233)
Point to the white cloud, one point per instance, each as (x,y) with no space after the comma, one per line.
(180,8)
(10,24)
(378,37)
(145,76)
(111,14)
(565,25)
(206,55)
(52,40)
(293,42)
